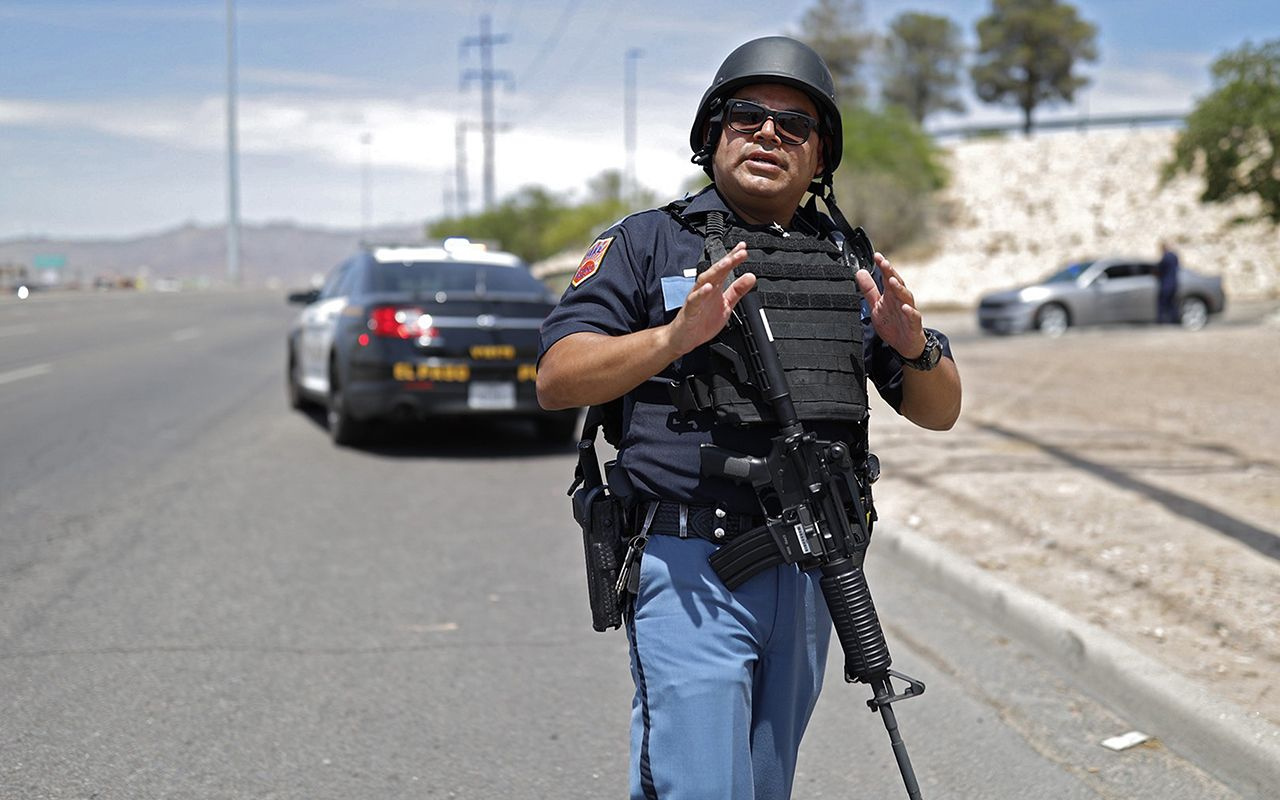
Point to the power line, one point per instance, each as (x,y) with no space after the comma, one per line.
(575,70)
(557,33)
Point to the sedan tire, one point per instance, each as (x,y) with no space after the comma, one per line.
(1052,320)
(1193,313)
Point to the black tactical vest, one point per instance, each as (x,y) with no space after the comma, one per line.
(813,307)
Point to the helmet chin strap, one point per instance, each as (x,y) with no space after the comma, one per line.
(706,153)
(822,189)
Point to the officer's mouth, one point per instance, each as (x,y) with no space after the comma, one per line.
(764,162)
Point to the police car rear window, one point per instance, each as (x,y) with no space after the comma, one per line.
(455,277)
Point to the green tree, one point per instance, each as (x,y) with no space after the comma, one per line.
(1027,53)
(888,176)
(1233,135)
(923,55)
(535,223)
(515,224)
(837,30)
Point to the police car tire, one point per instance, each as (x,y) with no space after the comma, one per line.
(343,429)
(297,401)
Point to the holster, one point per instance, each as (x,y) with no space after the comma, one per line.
(604,540)
(600,511)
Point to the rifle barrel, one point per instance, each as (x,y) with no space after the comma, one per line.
(882,693)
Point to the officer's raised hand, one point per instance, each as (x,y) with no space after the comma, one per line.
(893,311)
(586,368)
(707,308)
(930,399)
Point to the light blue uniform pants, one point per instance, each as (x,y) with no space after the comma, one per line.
(725,681)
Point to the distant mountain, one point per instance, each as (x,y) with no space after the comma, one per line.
(275,253)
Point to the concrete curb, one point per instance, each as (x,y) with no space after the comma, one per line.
(1239,747)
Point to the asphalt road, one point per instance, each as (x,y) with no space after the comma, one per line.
(200,597)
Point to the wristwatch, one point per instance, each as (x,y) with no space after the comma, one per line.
(929,358)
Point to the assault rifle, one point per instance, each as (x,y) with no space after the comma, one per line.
(809,485)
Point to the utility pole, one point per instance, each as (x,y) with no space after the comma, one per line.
(449,211)
(233,166)
(629,188)
(486,75)
(366,186)
(460,166)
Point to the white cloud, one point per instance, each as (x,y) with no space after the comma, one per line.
(560,147)
(14,112)
(298,79)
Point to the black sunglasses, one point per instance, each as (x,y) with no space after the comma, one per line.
(745,116)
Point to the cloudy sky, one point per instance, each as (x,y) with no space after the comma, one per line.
(113,112)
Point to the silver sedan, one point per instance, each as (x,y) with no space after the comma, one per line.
(1106,290)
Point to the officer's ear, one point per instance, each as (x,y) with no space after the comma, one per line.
(820,167)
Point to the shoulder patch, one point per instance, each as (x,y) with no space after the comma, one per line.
(591,261)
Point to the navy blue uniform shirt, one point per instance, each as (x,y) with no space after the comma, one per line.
(620,289)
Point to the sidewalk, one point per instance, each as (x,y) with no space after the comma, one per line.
(1239,747)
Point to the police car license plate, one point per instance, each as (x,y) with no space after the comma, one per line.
(490,395)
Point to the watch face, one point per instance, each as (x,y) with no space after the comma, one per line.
(930,357)
(933,352)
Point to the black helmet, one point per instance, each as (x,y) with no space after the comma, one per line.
(773,59)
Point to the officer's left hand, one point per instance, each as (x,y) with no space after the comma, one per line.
(893,311)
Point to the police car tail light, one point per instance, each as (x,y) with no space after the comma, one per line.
(397,322)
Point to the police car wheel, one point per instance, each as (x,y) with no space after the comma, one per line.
(292,390)
(343,429)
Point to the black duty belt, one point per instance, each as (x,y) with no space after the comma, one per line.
(706,522)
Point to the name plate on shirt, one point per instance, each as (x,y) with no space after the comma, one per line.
(675,288)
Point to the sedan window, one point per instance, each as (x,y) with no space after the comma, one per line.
(431,277)
(1069,273)
(335,280)
(424,277)
(350,283)
(510,280)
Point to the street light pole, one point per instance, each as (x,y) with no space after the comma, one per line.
(233,166)
(366,189)
(629,123)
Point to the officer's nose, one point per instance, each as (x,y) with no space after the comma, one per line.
(769,130)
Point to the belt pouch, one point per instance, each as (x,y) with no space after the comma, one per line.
(603,538)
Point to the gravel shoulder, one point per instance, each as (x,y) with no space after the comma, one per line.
(1128,475)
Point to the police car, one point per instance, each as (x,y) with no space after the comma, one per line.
(401,332)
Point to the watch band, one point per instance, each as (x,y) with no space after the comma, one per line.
(928,358)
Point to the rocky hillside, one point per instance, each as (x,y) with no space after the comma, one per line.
(1022,207)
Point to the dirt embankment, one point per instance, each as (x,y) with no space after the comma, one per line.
(1130,475)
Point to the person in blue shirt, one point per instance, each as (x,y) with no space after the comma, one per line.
(1167,275)
(726,680)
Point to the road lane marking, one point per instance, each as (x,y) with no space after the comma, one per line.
(25,372)
(185,334)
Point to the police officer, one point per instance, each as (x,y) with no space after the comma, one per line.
(726,680)
(1167,278)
